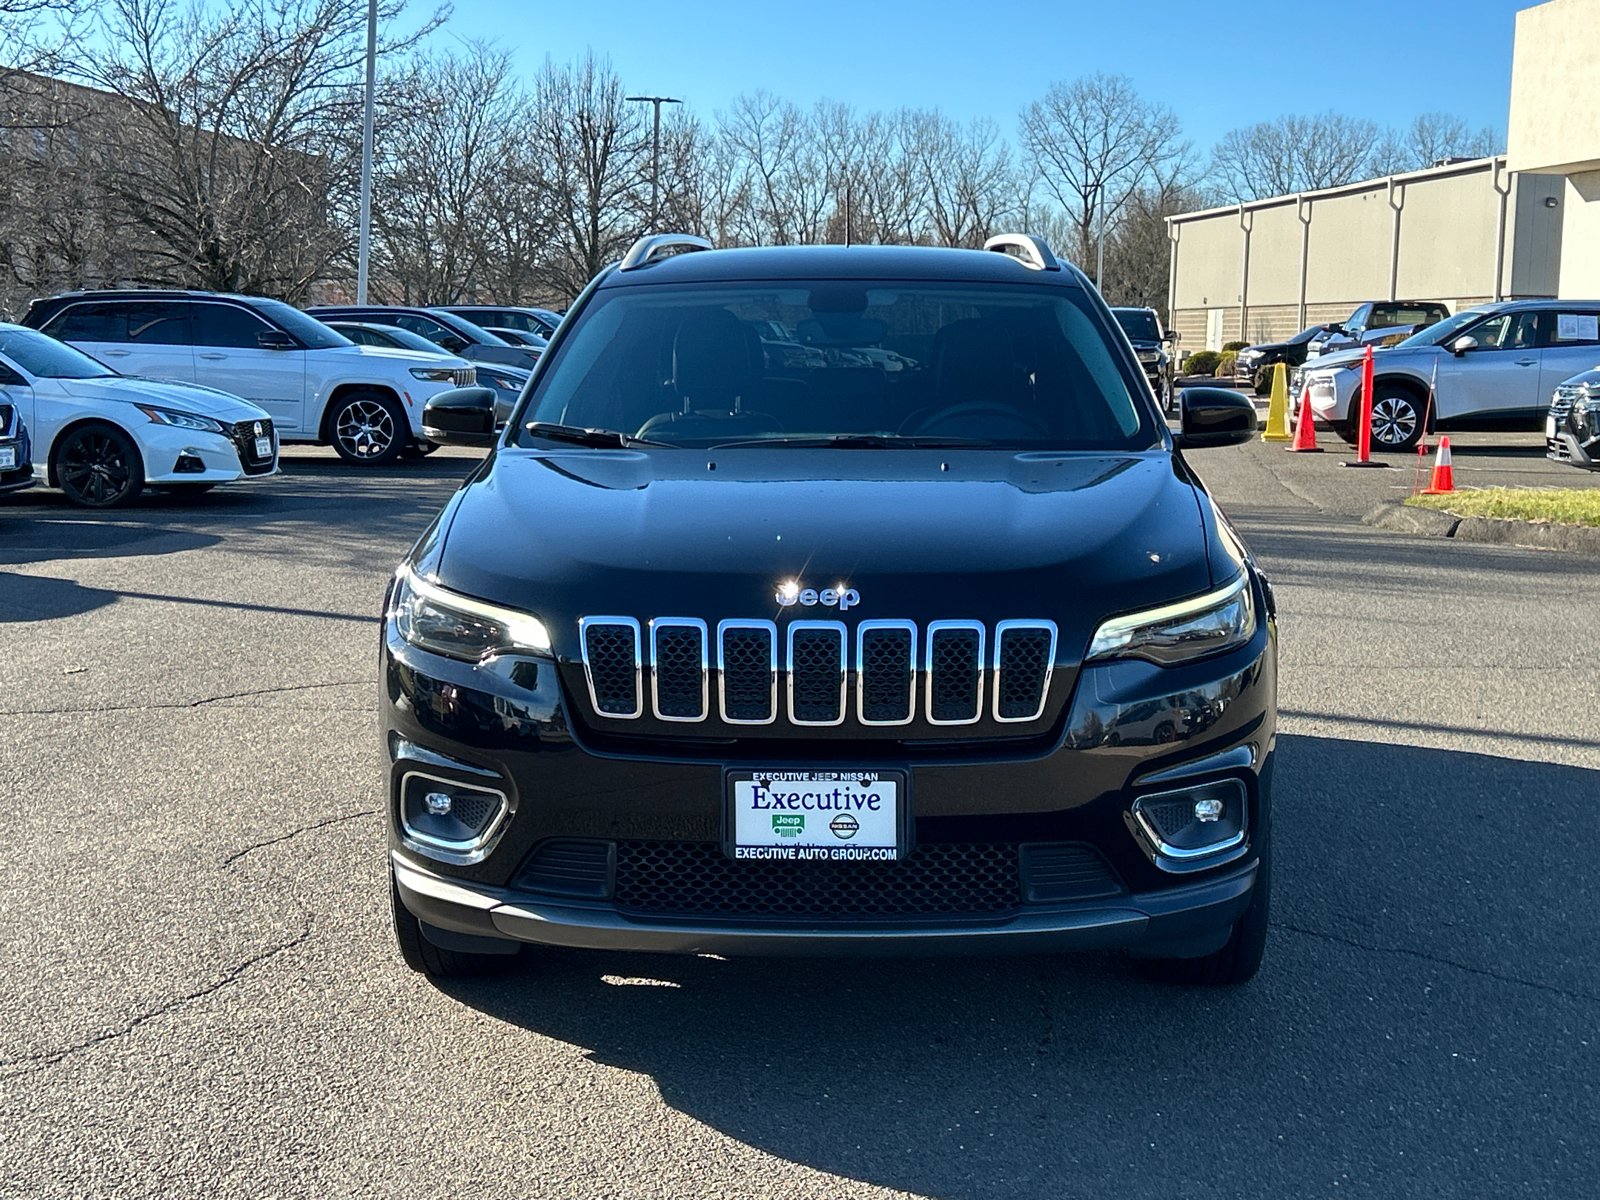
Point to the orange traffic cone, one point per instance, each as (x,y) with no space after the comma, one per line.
(1443,479)
(1305,427)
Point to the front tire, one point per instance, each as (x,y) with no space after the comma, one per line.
(423,956)
(1238,960)
(98,466)
(1397,419)
(368,428)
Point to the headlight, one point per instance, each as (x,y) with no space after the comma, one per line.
(510,381)
(434,374)
(182,420)
(441,622)
(1149,356)
(1178,633)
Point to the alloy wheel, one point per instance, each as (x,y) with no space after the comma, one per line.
(1394,420)
(365,429)
(95,469)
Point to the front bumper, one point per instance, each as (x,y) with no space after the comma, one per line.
(175,455)
(1129,729)
(1573,438)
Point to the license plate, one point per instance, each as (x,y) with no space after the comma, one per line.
(840,816)
(8,458)
(264,447)
(1549,427)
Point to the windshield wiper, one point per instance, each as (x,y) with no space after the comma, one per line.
(859,441)
(581,436)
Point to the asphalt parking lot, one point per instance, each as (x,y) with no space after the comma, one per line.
(202,997)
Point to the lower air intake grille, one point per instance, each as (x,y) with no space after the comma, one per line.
(1057,871)
(568,868)
(937,880)
(611,657)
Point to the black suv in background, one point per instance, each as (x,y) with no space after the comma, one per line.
(940,646)
(1257,361)
(1143,328)
(453,334)
(541,322)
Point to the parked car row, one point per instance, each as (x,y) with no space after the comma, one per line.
(105,393)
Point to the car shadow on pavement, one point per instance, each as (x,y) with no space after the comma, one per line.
(1416,1029)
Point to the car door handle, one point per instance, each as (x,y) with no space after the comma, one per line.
(115,353)
(211,356)
(1527,362)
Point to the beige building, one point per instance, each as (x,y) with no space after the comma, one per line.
(1463,234)
(1522,225)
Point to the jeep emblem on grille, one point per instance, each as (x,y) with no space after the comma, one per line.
(790,593)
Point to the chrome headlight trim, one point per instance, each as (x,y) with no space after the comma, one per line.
(523,631)
(1119,637)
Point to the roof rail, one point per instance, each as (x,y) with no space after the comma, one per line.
(1032,252)
(661,245)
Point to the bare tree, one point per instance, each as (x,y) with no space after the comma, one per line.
(597,156)
(968,180)
(1293,154)
(1096,142)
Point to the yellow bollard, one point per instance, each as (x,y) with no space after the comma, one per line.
(1277,429)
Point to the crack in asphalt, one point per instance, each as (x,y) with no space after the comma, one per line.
(12,1068)
(1434,958)
(293,833)
(290,687)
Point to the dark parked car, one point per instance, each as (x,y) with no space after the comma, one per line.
(452,334)
(714,657)
(1143,328)
(539,321)
(1376,322)
(1258,361)
(1572,428)
(16,457)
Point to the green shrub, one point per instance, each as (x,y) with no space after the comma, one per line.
(1201,362)
(1227,361)
(1226,346)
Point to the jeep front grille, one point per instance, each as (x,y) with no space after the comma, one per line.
(960,668)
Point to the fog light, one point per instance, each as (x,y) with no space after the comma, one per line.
(449,820)
(1192,828)
(189,463)
(438,803)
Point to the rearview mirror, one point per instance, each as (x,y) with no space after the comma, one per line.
(460,417)
(1462,344)
(1215,417)
(276,339)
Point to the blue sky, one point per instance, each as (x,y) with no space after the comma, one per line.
(1385,61)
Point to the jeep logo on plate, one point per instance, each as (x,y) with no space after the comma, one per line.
(840,597)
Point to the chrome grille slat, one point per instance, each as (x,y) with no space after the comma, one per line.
(955,672)
(613,665)
(1024,657)
(816,667)
(747,671)
(678,675)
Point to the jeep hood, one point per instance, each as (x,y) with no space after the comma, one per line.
(918,534)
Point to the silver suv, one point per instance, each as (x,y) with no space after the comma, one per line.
(1490,367)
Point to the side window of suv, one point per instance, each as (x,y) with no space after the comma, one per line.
(435,331)
(90,323)
(157,323)
(1573,329)
(1508,331)
(227,326)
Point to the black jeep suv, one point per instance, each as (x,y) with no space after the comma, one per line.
(932,642)
(1150,343)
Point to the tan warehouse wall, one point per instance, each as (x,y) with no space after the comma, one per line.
(1449,222)
(1555,123)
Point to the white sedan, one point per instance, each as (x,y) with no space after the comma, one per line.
(102,437)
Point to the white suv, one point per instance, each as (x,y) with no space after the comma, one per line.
(317,385)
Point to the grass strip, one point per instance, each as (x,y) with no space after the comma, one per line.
(1550,506)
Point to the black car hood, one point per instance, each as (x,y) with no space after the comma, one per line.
(917,534)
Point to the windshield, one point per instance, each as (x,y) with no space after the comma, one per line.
(1138,323)
(313,334)
(802,362)
(41,356)
(1305,335)
(1439,331)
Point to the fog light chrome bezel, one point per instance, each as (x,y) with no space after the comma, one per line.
(456,852)
(1178,859)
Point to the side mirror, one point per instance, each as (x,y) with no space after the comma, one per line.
(1169,336)
(460,417)
(276,339)
(1462,344)
(1215,417)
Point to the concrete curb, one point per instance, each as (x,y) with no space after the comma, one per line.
(1430,522)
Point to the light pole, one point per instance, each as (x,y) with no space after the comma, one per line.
(655,154)
(364,245)
(1100,251)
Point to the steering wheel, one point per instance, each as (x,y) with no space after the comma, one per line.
(977,411)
